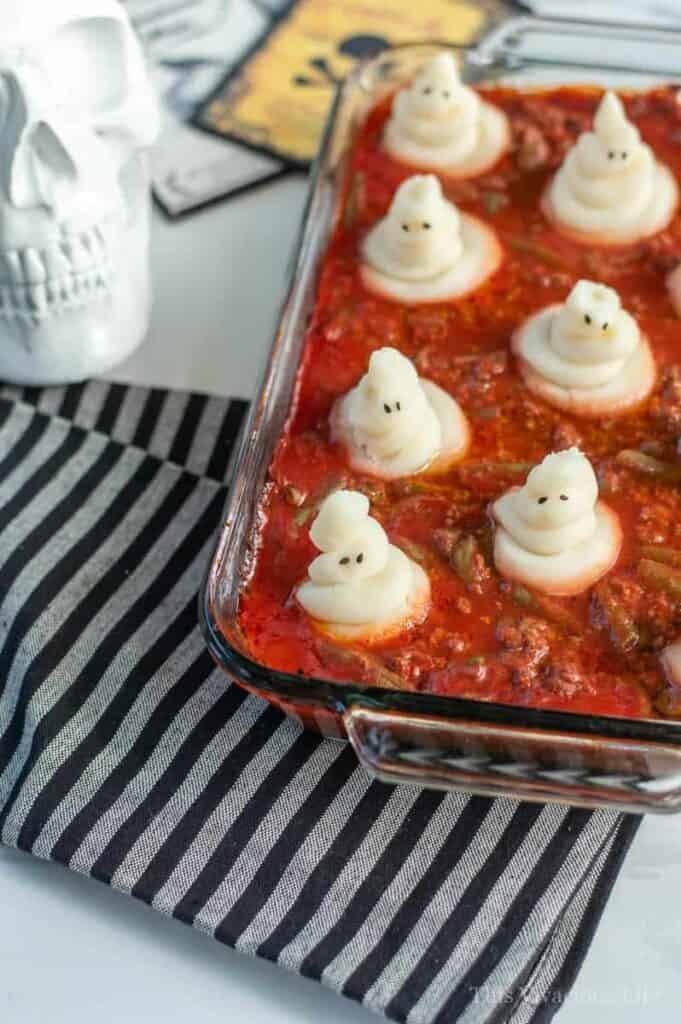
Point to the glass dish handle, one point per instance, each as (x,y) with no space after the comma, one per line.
(501,760)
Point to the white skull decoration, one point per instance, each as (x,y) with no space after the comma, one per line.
(77,113)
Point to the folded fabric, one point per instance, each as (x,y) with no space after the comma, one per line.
(125,755)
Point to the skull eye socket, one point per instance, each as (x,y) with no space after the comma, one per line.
(427,89)
(69,63)
(360,558)
(426,225)
(587,318)
(564,497)
(543,500)
(405,227)
(387,407)
(398,406)
(605,326)
(345,561)
(611,154)
(624,155)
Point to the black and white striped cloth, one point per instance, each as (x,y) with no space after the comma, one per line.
(126,756)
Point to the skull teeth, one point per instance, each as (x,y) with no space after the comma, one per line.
(35,283)
(34,267)
(15,268)
(38,298)
(35,302)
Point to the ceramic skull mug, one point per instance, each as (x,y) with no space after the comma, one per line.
(77,114)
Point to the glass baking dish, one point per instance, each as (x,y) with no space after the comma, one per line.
(402,736)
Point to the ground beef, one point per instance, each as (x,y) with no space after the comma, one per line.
(524,634)
(666,407)
(488,366)
(663,252)
(526,644)
(480,377)
(427,326)
(412,664)
(546,277)
(566,678)
(660,619)
(656,524)
(566,435)
(451,643)
(444,542)
(543,134)
(668,702)
(532,149)
(480,572)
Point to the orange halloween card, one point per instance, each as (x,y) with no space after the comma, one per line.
(278,98)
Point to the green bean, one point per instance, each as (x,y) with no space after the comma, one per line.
(354,201)
(494,201)
(463,559)
(411,488)
(498,467)
(540,252)
(660,577)
(646,464)
(549,608)
(302,515)
(489,412)
(668,556)
(367,667)
(623,630)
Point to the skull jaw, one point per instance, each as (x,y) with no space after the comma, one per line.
(65,345)
(73,346)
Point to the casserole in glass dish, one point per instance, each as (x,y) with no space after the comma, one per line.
(435,735)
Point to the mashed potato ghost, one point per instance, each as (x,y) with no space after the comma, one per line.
(553,533)
(361,587)
(610,189)
(424,250)
(586,355)
(440,124)
(395,424)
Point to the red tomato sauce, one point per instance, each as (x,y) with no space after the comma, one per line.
(484,637)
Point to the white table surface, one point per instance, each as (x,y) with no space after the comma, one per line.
(72,951)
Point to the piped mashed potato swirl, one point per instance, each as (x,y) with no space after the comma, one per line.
(361,587)
(394,423)
(438,123)
(553,533)
(424,250)
(610,188)
(586,355)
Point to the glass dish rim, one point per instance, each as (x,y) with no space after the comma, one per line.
(339,697)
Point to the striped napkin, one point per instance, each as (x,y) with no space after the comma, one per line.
(126,756)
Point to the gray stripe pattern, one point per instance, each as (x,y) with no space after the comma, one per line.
(126,406)
(125,755)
